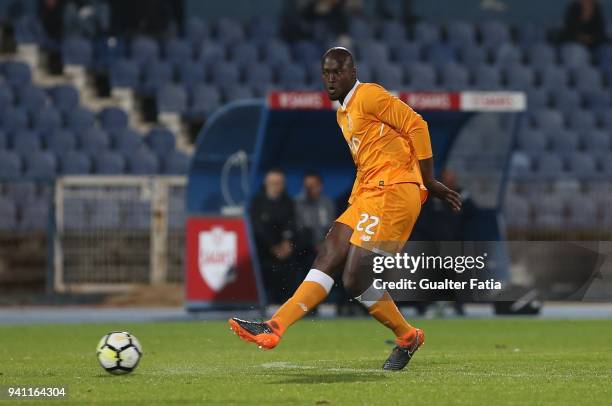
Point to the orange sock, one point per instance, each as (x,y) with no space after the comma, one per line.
(309,294)
(386,312)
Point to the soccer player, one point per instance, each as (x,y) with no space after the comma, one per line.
(391,148)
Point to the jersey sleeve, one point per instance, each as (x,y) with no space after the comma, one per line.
(399,116)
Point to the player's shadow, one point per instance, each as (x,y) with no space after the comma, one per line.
(338,377)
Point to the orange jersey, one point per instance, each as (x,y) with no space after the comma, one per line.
(386,137)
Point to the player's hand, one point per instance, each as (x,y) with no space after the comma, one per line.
(450,197)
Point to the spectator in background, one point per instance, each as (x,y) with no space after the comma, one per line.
(314,19)
(273,216)
(51,13)
(315,211)
(584,23)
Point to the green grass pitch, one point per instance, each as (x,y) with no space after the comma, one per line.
(323,362)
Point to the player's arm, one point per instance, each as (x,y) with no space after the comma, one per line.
(403,119)
(436,188)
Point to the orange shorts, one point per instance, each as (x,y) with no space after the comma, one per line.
(382,218)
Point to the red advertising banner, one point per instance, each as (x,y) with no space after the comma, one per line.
(219,262)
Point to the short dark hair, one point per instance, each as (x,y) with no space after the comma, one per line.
(339,53)
(313,174)
(276,169)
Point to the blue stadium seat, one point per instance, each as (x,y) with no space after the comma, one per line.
(421,76)
(211,53)
(473,56)
(26,141)
(507,55)
(566,100)
(107,51)
(75,163)
(229,31)
(161,141)
(105,214)
(532,141)
(40,165)
(6,97)
(541,55)
(3,140)
(547,120)
(8,215)
(582,212)
(440,54)
(426,33)
(537,99)
(20,191)
(61,141)
(172,99)
(276,53)
(587,78)
(125,73)
(157,74)
(393,32)
(80,119)
(406,53)
(549,166)
(191,73)
(197,31)
(142,162)
(360,30)
(113,119)
(519,77)
(65,97)
(389,76)
(17,74)
(487,77)
(109,163)
(574,55)
(520,165)
(581,120)
(32,98)
(292,76)
(494,33)
(28,30)
(10,165)
(372,52)
(597,99)
(35,216)
(305,52)
(135,214)
(127,141)
(455,77)
(244,54)
(605,119)
(530,33)
(77,50)
(564,141)
(517,213)
(263,29)
(460,34)
(48,119)
(178,51)
(582,165)
(238,92)
(204,99)
(548,211)
(260,76)
(176,163)
(595,141)
(144,50)
(76,214)
(94,141)
(364,74)
(225,74)
(14,119)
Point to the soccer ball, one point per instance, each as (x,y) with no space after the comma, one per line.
(118,352)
